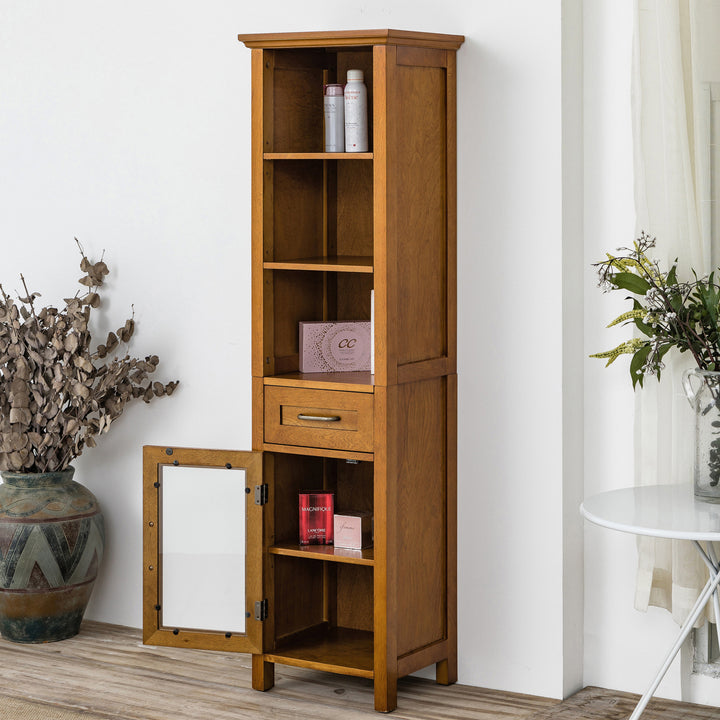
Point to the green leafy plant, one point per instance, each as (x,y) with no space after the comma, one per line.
(667,312)
(56,393)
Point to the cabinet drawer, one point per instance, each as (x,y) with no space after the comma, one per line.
(319,418)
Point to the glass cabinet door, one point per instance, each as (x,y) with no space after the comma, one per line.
(202,544)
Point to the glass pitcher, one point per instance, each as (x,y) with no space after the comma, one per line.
(702,388)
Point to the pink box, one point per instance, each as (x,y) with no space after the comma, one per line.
(334,346)
(353,530)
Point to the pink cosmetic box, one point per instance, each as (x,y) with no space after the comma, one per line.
(334,346)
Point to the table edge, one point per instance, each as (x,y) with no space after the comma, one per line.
(648,532)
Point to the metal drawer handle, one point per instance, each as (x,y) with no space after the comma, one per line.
(320,418)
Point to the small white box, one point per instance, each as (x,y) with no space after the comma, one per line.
(334,346)
(353,530)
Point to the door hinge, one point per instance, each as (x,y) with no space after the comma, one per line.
(261,494)
(261,609)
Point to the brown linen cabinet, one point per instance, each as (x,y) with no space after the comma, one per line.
(327,228)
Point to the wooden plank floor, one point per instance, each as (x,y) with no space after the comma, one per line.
(108,673)
(107,670)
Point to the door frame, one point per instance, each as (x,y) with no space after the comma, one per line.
(156,457)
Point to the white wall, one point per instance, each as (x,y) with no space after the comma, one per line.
(128,126)
(623,647)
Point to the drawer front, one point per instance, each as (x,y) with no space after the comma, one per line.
(319,418)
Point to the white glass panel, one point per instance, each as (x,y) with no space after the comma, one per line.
(202,518)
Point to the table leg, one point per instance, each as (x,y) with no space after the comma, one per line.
(710,559)
(708,590)
(716,594)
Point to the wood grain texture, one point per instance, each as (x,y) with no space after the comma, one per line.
(350,381)
(336,263)
(353,195)
(261,190)
(383,223)
(317,156)
(447,670)
(339,650)
(353,431)
(421,514)
(298,105)
(339,38)
(155,459)
(325,552)
(386,548)
(419,152)
(331,228)
(106,673)
(298,593)
(298,211)
(318,452)
(451,207)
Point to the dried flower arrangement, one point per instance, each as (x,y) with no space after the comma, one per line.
(56,394)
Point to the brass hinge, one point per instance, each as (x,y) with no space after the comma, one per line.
(261,494)
(261,609)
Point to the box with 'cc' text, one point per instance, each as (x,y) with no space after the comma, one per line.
(334,346)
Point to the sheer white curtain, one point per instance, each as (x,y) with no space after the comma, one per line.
(676,63)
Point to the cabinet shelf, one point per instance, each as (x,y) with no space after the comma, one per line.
(332,263)
(339,650)
(326,552)
(349,381)
(316,156)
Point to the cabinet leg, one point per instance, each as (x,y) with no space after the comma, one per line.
(263,673)
(446,672)
(385,694)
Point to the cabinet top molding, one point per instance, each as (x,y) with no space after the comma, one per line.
(349,38)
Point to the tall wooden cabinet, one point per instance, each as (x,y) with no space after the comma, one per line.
(327,229)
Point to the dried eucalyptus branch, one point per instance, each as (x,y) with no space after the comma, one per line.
(56,395)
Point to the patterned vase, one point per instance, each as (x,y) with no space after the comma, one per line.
(51,544)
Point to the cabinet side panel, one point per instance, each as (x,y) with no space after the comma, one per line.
(422,514)
(261,217)
(418,152)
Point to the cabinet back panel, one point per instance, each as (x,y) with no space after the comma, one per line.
(421,514)
(306,296)
(297,296)
(419,155)
(354,200)
(359,59)
(298,209)
(297,109)
(315,215)
(354,487)
(353,296)
(292,475)
(298,596)
(297,93)
(354,597)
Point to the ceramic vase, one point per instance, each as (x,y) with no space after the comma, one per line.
(51,544)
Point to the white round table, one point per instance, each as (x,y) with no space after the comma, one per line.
(664,511)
